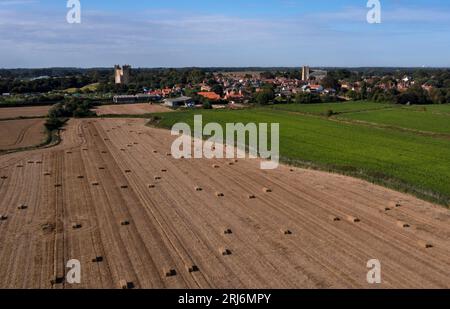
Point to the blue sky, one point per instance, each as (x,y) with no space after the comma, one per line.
(179,33)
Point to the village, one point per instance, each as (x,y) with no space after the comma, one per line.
(265,87)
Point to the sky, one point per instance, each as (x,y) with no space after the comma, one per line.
(224,33)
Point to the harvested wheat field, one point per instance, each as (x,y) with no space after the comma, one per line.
(111,196)
(21,133)
(131,109)
(31,111)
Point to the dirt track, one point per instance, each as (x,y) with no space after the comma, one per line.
(131,109)
(32,111)
(21,133)
(110,172)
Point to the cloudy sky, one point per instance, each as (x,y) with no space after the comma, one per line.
(179,33)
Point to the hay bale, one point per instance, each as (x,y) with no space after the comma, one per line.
(168,154)
(151,186)
(425,244)
(104,152)
(403,224)
(164,170)
(97,259)
(193,268)
(286,232)
(395,204)
(251,196)
(387,208)
(38,162)
(267,190)
(135,143)
(122,149)
(80,177)
(155,151)
(220,194)
(57,280)
(170,272)
(157,177)
(335,218)
(215,166)
(19,166)
(95,183)
(69,152)
(101,168)
(291,170)
(30,162)
(4,177)
(85,149)
(76,226)
(225,251)
(125,223)
(230,163)
(127,171)
(22,207)
(3,217)
(126,285)
(198,189)
(124,187)
(58,185)
(353,219)
(47,174)
(228,232)
(106,139)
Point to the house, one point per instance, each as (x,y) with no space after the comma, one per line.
(205,87)
(177,102)
(166,92)
(233,94)
(329,91)
(312,88)
(210,95)
(427,87)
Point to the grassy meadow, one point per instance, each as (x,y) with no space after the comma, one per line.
(401,159)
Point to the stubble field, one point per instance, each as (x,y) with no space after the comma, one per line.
(111,196)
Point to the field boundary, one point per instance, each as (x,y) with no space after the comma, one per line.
(391,127)
(370,176)
(375,178)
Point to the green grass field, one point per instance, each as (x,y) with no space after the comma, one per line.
(402,160)
(322,109)
(405,118)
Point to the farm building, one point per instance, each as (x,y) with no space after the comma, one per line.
(139,98)
(181,101)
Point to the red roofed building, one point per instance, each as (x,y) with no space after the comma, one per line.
(209,95)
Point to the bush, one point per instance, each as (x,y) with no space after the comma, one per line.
(330,113)
(54,123)
(307,98)
(207,105)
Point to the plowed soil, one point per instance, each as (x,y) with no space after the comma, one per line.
(150,219)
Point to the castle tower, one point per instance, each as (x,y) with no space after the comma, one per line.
(122,75)
(305,73)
